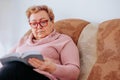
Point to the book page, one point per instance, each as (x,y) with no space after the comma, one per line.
(29,53)
(32,54)
(1,65)
(21,57)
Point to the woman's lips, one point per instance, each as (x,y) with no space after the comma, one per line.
(40,32)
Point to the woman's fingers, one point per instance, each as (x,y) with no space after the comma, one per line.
(35,62)
(45,65)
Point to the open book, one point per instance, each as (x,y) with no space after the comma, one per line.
(23,57)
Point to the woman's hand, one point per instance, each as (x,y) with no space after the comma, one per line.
(45,65)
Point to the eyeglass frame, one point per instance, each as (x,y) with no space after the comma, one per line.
(39,23)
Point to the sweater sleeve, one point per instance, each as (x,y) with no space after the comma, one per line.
(19,43)
(13,49)
(70,67)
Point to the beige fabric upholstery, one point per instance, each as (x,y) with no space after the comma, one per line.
(87,47)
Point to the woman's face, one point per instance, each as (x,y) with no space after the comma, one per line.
(40,24)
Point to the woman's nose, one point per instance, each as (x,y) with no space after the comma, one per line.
(39,27)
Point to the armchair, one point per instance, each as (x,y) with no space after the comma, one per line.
(99,46)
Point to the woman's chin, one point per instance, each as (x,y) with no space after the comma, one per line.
(40,36)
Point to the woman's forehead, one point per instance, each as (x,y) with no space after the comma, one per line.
(39,16)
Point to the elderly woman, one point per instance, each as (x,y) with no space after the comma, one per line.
(61,57)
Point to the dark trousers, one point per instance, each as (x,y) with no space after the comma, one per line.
(19,71)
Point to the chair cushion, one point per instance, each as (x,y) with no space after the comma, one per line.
(87,47)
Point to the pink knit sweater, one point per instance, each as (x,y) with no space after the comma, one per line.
(59,48)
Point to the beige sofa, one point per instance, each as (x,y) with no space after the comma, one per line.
(99,46)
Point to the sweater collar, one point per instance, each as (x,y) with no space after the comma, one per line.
(51,37)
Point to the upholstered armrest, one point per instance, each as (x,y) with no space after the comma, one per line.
(107,65)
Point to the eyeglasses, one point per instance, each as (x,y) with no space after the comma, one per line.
(42,23)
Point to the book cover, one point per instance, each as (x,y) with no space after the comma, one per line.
(23,57)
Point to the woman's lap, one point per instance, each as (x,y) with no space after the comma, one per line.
(19,71)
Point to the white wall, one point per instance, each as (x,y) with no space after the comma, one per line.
(92,10)
(13,22)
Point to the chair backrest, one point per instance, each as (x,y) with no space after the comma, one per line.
(71,27)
